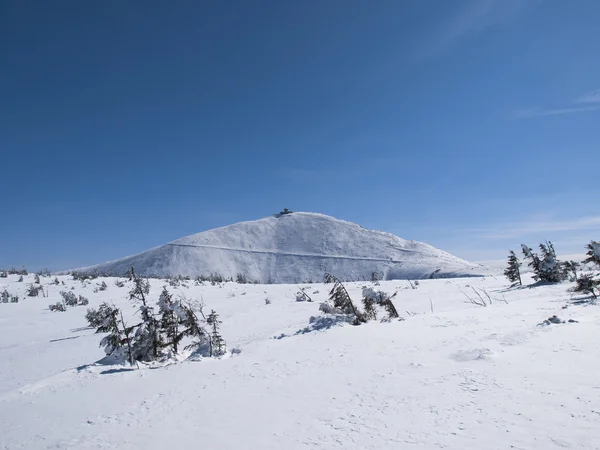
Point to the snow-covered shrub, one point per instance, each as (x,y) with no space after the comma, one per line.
(342,301)
(4,296)
(328,308)
(569,269)
(13,271)
(546,267)
(586,285)
(102,286)
(372,298)
(99,318)
(241,278)
(36,279)
(69,298)
(119,283)
(14,299)
(33,291)
(82,301)
(267,301)
(3,274)
(593,253)
(20,280)
(56,282)
(59,306)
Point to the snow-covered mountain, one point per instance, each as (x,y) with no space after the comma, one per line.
(291,248)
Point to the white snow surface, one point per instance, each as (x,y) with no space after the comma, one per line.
(452,375)
(293,248)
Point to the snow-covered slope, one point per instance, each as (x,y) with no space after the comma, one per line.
(292,248)
(452,375)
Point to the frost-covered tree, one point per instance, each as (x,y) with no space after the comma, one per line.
(148,339)
(217,343)
(100,318)
(118,341)
(341,299)
(5,296)
(593,253)
(169,320)
(570,270)
(545,267)
(512,272)
(69,298)
(20,280)
(586,284)
(192,322)
(33,291)
(379,298)
(369,309)
(36,279)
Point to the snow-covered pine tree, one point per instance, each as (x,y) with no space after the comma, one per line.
(369,308)
(512,272)
(169,321)
(534,260)
(4,297)
(192,325)
(217,343)
(550,267)
(100,318)
(546,267)
(147,338)
(341,299)
(593,253)
(382,299)
(586,285)
(570,270)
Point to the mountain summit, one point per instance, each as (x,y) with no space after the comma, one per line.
(293,247)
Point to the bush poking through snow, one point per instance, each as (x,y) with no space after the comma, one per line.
(586,285)
(593,253)
(100,318)
(33,291)
(341,299)
(4,297)
(58,306)
(372,298)
(69,298)
(547,267)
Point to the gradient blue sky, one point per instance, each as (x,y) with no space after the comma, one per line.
(471,125)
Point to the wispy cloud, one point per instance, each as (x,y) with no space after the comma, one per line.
(590,97)
(477,16)
(540,112)
(536,225)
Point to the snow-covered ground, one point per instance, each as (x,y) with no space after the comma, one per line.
(293,248)
(451,375)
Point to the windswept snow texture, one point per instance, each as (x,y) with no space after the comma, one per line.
(292,248)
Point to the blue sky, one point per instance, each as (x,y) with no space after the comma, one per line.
(471,125)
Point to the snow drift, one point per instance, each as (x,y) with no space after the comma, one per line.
(294,247)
